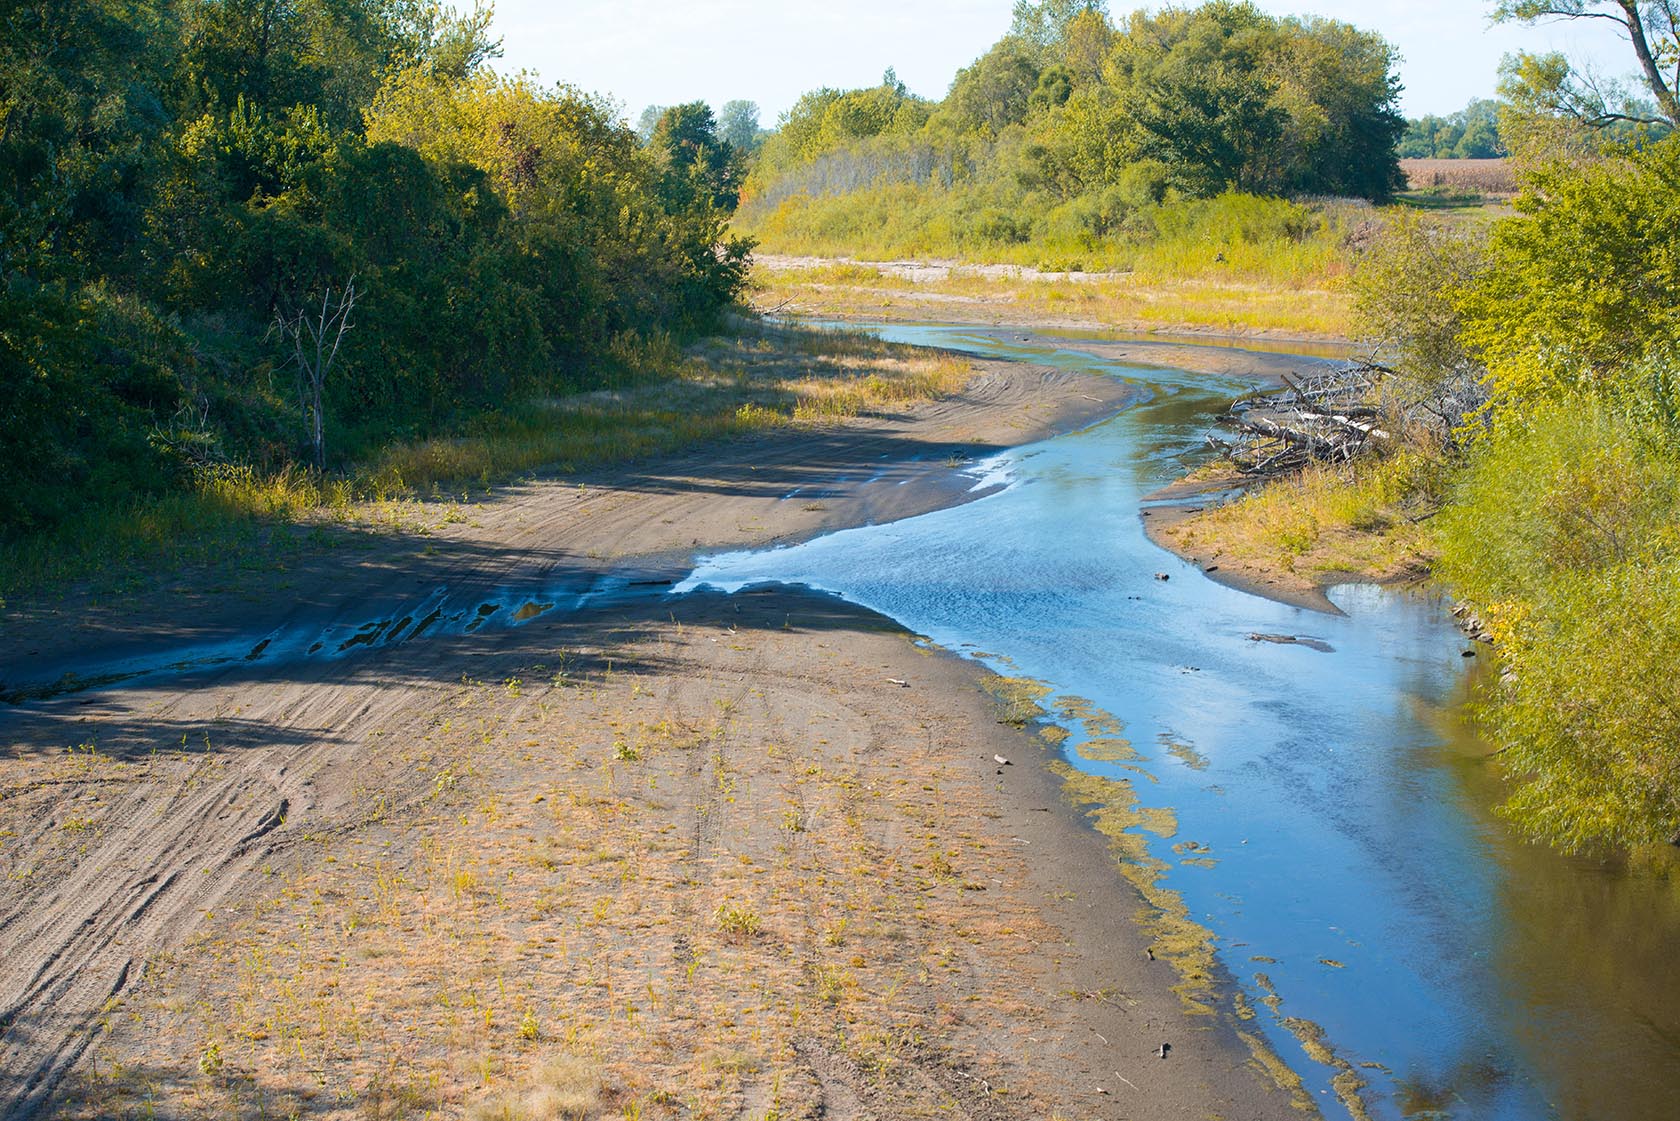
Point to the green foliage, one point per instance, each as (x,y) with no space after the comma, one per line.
(700,168)
(1562,532)
(175,175)
(1049,23)
(1561,526)
(1549,86)
(1239,237)
(91,380)
(738,126)
(1409,293)
(1583,287)
(826,119)
(1472,133)
(81,91)
(1069,129)
(997,90)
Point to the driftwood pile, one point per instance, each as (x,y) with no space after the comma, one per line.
(1327,417)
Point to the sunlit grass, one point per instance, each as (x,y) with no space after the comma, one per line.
(1125,301)
(1368,518)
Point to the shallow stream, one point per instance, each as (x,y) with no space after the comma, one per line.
(1333,821)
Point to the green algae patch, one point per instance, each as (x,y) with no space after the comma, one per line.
(1112,807)
(1107,750)
(1018,698)
(1347,1084)
(1271,1066)
(1185,753)
(1098,724)
(1111,804)
(1160,821)
(1311,1036)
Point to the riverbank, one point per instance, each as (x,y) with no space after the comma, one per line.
(1293,538)
(705,856)
(1209,308)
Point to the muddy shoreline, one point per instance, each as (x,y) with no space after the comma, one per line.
(142,865)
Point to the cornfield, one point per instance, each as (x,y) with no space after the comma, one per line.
(1485,177)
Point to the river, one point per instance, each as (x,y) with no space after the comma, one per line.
(1334,825)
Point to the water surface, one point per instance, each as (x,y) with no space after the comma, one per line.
(1339,811)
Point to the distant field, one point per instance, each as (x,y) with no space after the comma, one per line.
(1487,177)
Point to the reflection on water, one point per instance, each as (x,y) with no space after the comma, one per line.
(1333,828)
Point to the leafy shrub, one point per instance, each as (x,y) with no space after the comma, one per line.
(1562,531)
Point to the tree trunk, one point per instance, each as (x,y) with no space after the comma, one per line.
(1666,97)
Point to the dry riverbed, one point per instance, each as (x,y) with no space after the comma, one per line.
(714,857)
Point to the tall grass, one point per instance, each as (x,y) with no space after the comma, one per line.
(1233,236)
(227,513)
(1367,517)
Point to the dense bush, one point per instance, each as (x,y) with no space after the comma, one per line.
(175,176)
(1071,129)
(1563,532)
(1561,527)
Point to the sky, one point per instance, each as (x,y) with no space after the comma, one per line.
(664,52)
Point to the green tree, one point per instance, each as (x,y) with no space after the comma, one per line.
(738,125)
(1045,25)
(81,115)
(1582,289)
(1204,98)
(1548,84)
(700,166)
(995,91)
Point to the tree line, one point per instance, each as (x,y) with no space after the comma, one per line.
(1079,119)
(186,184)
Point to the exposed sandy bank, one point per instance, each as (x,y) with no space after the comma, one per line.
(731,855)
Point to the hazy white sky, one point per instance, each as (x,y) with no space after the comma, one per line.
(644,52)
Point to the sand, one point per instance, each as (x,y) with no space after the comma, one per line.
(731,857)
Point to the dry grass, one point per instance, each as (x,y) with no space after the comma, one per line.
(564,1089)
(1129,302)
(1495,178)
(764,377)
(1367,520)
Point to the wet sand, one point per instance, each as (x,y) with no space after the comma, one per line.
(730,854)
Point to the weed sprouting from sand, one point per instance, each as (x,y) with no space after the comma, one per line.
(738,922)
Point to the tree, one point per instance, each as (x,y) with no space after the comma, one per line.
(994,92)
(738,125)
(649,120)
(1582,289)
(81,90)
(315,337)
(699,165)
(1044,25)
(1652,28)
(1204,98)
